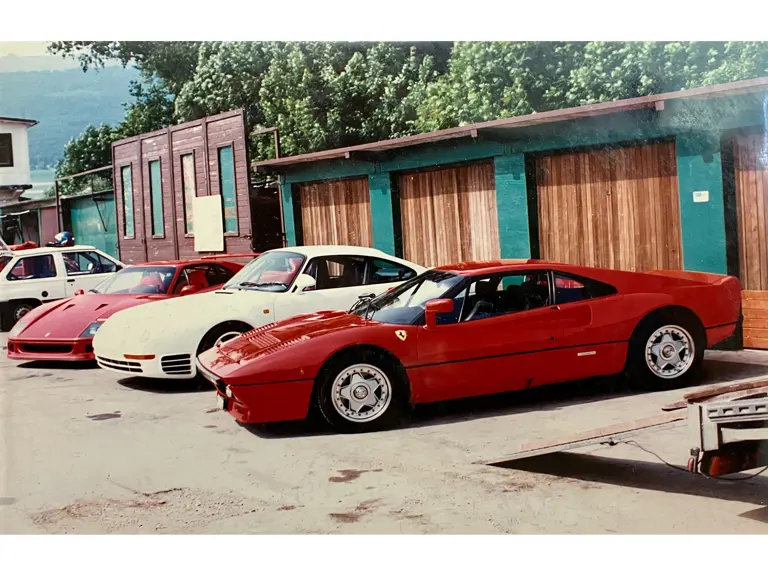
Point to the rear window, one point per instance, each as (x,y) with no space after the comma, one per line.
(4,261)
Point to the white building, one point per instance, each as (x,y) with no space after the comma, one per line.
(15,175)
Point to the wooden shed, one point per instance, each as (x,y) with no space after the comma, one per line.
(669,181)
(158,175)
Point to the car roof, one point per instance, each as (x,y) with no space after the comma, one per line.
(51,249)
(337,250)
(479,268)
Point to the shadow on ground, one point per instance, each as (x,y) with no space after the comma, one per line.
(553,397)
(647,476)
(58,365)
(166,386)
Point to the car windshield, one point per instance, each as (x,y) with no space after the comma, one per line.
(272,272)
(138,280)
(405,304)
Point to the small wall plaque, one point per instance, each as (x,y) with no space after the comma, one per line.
(701,196)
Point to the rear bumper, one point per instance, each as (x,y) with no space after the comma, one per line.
(74,350)
(717,334)
(262,403)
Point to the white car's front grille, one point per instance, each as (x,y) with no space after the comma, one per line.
(176,364)
(122,365)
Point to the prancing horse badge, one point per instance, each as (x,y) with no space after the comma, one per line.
(402,334)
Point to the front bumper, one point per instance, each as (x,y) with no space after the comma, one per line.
(262,403)
(177,366)
(67,350)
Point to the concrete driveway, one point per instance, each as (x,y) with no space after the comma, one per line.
(85,452)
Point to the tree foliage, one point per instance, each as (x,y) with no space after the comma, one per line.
(328,94)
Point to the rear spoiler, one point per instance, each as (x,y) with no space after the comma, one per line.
(227,256)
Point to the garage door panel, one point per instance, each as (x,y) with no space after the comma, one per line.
(449,215)
(616,208)
(336,212)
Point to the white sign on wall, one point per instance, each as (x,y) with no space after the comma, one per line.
(701,196)
(208,222)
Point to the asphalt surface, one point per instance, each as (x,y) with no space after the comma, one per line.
(83,451)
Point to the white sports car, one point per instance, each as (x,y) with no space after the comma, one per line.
(162,339)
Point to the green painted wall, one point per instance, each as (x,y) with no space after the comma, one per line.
(93,222)
(380,188)
(512,206)
(703,223)
(289,223)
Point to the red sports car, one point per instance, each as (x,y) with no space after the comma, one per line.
(64,329)
(473,329)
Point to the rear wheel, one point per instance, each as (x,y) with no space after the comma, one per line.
(14,311)
(666,351)
(362,392)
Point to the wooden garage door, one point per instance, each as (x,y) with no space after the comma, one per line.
(616,208)
(751,178)
(449,215)
(336,212)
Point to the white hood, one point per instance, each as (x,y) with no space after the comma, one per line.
(182,320)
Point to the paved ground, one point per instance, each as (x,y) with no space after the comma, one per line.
(83,452)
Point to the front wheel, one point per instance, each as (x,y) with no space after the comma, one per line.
(362,393)
(666,351)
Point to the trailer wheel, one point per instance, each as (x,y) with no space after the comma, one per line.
(666,350)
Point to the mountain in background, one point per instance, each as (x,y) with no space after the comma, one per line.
(64,102)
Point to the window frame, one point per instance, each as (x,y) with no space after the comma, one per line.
(127,236)
(22,258)
(219,148)
(98,256)
(188,210)
(10,162)
(330,257)
(585,281)
(369,264)
(150,163)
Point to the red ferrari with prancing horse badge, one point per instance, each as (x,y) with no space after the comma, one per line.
(473,329)
(64,329)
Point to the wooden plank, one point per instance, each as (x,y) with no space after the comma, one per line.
(736,394)
(607,434)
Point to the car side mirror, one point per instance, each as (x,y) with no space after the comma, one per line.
(118,268)
(79,292)
(435,307)
(186,290)
(305,283)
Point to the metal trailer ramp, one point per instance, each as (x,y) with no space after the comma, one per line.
(674,415)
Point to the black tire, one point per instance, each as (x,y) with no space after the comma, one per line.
(13,311)
(684,325)
(391,413)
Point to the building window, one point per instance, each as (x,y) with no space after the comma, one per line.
(6,150)
(189,185)
(227,187)
(125,176)
(156,194)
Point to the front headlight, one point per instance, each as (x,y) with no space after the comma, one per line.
(90,332)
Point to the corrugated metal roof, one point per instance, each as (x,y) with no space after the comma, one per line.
(472,130)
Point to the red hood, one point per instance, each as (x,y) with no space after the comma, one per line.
(70,317)
(275,337)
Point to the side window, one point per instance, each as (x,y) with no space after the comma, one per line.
(384,272)
(33,268)
(107,266)
(218,274)
(81,263)
(336,272)
(502,294)
(569,289)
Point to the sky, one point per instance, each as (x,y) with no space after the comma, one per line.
(23,48)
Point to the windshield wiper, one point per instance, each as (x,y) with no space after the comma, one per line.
(364,299)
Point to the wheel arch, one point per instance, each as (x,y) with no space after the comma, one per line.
(672,310)
(361,348)
(235,324)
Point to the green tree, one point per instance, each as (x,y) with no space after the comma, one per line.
(91,150)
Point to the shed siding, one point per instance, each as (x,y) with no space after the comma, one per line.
(449,215)
(336,212)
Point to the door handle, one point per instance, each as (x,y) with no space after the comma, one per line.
(70,281)
(554,307)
